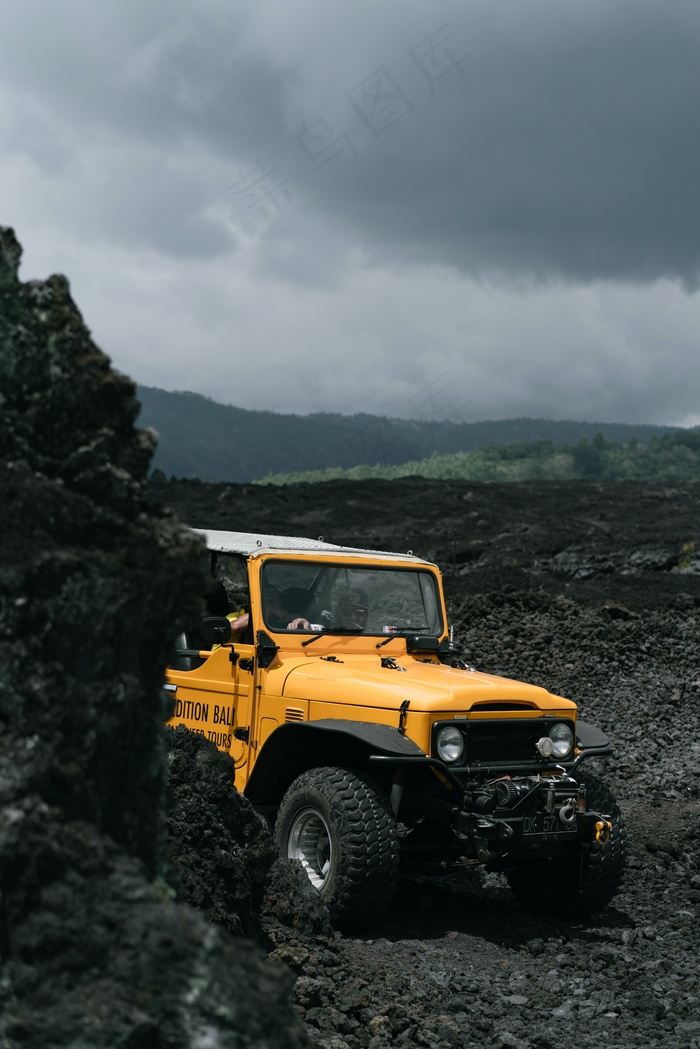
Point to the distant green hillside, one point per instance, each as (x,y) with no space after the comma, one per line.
(674,456)
(216,442)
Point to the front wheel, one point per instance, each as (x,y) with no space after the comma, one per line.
(580,884)
(341,829)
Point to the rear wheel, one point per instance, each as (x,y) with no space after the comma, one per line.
(583,883)
(339,826)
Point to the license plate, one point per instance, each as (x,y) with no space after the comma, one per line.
(546,824)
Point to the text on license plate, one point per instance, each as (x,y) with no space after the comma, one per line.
(546,823)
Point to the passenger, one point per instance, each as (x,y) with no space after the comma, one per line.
(216,599)
(218,604)
(240,621)
(351,608)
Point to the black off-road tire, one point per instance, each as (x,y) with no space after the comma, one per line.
(341,828)
(584,883)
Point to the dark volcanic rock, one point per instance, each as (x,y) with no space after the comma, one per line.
(93,586)
(627,540)
(291,908)
(222,851)
(222,855)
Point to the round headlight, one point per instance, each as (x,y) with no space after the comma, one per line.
(450,744)
(562,740)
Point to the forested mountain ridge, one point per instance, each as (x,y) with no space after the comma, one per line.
(672,457)
(202,438)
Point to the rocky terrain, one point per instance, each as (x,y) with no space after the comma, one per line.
(593,591)
(141,904)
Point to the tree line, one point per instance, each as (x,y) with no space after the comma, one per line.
(201,438)
(673,456)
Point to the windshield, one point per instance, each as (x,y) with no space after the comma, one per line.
(348,599)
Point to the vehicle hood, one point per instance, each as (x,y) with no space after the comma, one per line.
(429,686)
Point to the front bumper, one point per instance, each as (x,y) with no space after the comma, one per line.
(521,815)
(515,816)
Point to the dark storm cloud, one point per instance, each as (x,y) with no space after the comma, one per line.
(151,108)
(559,140)
(568,149)
(310,206)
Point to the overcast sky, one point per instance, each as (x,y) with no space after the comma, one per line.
(466,209)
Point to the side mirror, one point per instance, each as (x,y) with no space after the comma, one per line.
(215,630)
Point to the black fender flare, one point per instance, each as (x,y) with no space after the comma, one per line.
(588,735)
(295,747)
(591,743)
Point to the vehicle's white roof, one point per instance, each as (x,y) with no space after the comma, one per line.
(253,543)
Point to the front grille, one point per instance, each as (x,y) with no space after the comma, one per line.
(497,741)
(503,742)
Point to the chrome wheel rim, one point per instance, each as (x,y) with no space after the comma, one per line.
(310,843)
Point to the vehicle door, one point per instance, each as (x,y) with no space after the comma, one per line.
(215,699)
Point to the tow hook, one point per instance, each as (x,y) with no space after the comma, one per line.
(567,812)
(603,831)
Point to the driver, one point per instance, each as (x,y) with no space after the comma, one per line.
(276,615)
(288,609)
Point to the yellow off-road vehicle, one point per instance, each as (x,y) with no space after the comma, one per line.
(373,748)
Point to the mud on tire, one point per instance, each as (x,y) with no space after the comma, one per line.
(582,884)
(340,827)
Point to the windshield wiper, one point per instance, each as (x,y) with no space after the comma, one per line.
(402,632)
(331,630)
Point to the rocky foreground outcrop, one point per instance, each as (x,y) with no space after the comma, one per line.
(94,948)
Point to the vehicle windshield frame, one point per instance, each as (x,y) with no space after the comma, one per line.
(324,579)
